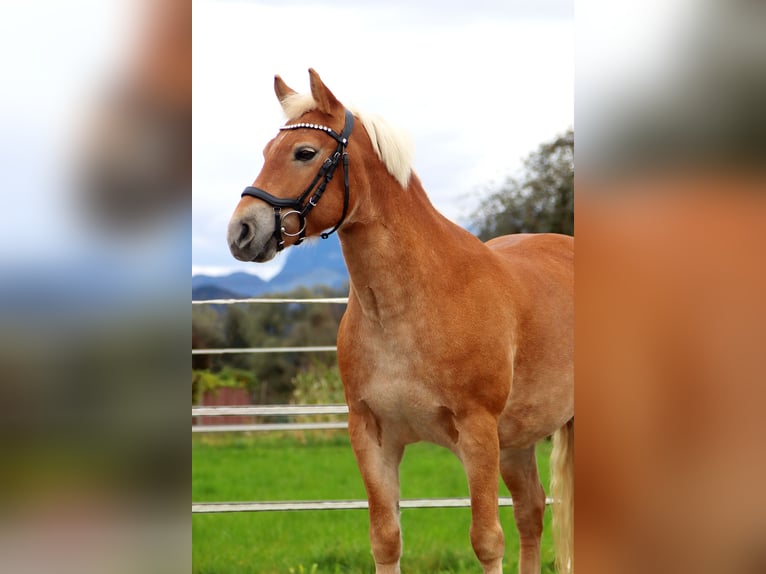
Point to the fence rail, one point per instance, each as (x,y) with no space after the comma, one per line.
(264,427)
(212,507)
(246,350)
(270,410)
(338,300)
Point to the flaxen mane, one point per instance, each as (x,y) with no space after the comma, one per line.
(392,145)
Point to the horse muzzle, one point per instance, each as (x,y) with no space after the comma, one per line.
(250,234)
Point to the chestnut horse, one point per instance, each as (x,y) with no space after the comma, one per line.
(446,339)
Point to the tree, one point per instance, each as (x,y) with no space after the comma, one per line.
(207,333)
(263,326)
(541,200)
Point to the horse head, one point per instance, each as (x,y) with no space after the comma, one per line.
(302,189)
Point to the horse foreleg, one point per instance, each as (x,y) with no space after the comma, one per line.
(478,449)
(519,470)
(378,463)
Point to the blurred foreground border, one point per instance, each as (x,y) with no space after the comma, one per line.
(670,308)
(94,286)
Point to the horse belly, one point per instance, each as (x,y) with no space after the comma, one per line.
(542,389)
(536,408)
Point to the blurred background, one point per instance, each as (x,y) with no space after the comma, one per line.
(671,230)
(95,112)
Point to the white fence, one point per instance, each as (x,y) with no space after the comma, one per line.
(214,507)
(270,410)
(246,350)
(341,300)
(293,411)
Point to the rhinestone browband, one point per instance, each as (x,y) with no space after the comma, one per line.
(316,127)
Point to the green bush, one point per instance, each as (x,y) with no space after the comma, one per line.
(320,384)
(204,380)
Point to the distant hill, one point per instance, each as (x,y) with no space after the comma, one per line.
(312,264)
(319,262)
(238,284)
(206,292)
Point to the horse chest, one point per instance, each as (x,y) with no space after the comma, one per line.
(408,411)
(398,387)
(394,387)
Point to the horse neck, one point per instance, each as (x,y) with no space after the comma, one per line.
(399,249)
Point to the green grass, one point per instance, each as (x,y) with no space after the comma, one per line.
(228,468)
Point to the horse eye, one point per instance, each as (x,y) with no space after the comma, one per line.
(305,154)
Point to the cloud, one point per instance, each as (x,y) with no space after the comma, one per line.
(476,86)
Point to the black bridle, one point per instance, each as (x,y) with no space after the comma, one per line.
(297,206)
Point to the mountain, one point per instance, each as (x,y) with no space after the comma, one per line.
(206,292)
(238,284)
(314,263)
(319,262)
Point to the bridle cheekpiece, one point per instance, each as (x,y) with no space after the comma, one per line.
(324,175)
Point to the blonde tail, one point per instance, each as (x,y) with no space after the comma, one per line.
(562,491)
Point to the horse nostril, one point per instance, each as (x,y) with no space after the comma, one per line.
(240,234)
(244,232)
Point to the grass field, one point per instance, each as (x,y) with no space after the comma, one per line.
(228,468)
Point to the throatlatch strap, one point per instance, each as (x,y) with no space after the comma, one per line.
(327,234)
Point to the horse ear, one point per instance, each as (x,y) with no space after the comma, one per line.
(281,89)
(326,101)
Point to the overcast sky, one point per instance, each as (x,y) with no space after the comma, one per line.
(477,85)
